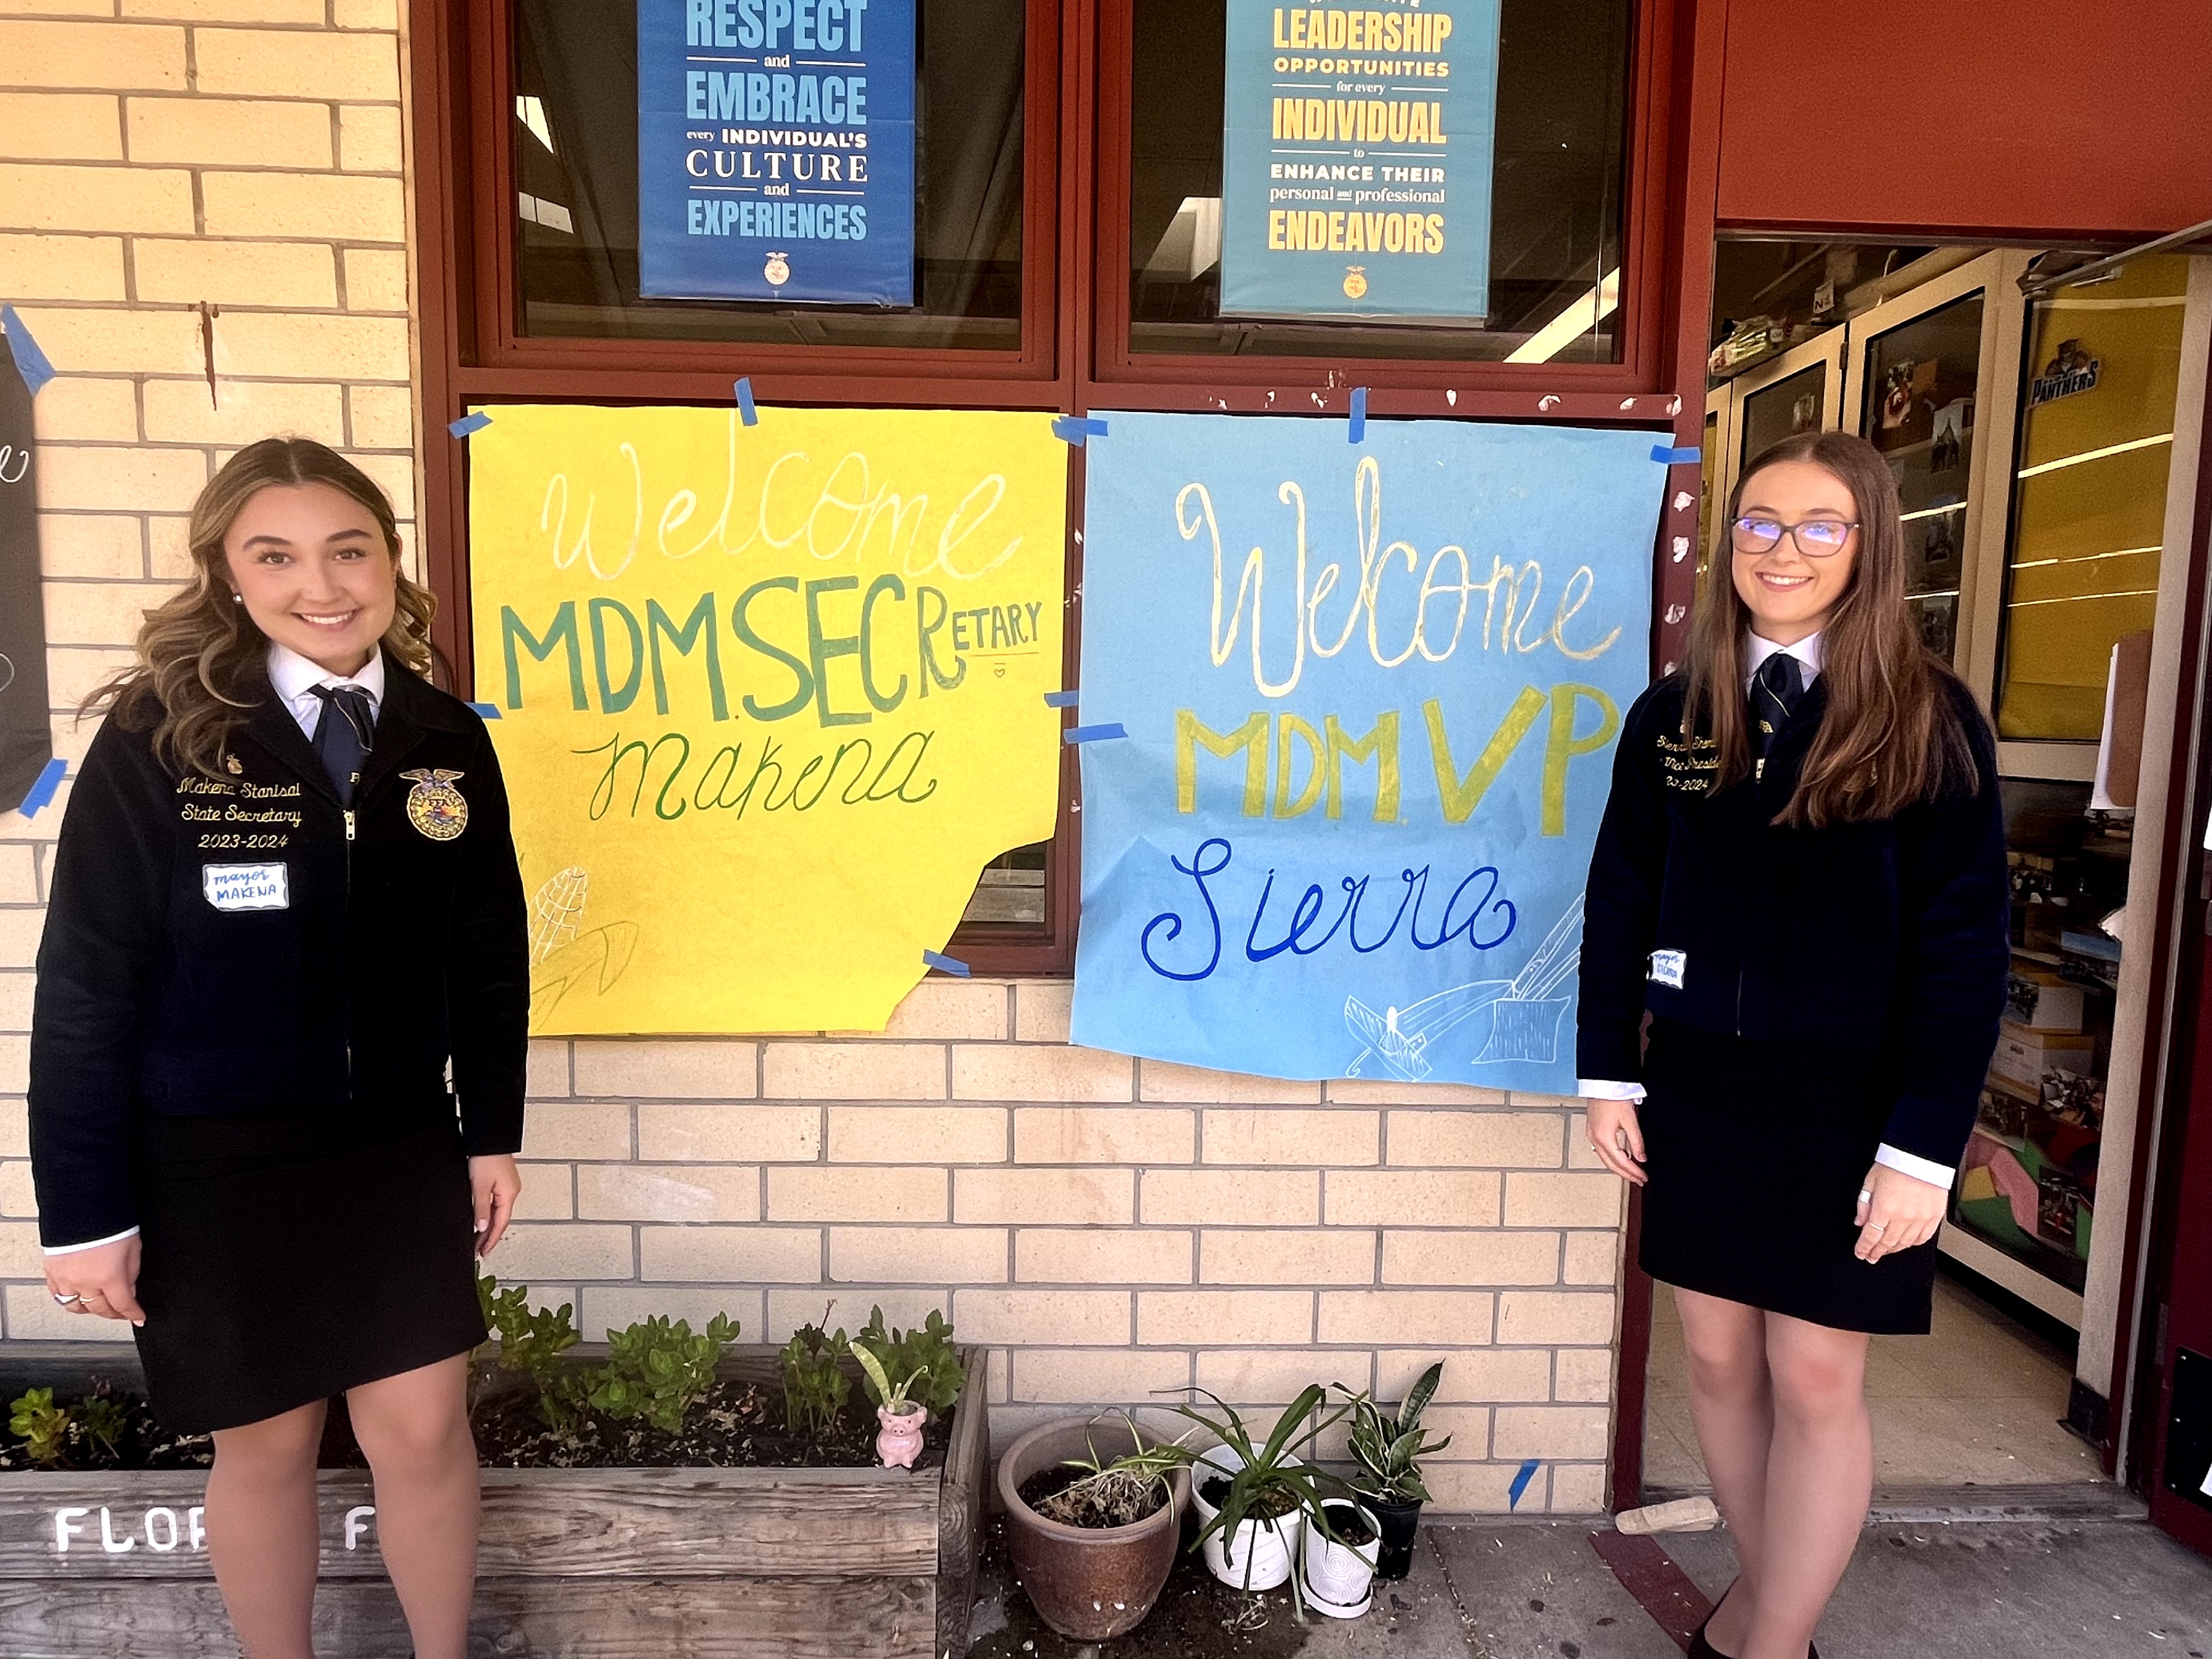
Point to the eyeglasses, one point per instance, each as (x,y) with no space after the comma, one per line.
(1816,538)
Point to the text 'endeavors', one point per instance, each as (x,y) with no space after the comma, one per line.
(1371,694)
(769,697)
(1357,155)
(775,149)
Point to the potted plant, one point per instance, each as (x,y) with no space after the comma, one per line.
(924,1355)
(1388,1450)
(1093,1514)
(1254,1500)
(1337,1567)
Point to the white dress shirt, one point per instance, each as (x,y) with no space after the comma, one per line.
(1807,652)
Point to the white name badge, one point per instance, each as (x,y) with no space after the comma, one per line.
(247,886)
(1666,968)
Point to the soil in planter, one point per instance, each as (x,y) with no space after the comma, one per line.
(1273,1503)
(1072,1498)
(140,1444)
(1352,1527)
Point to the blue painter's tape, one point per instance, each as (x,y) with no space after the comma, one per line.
(42,787)
(1667,457)
(1358,433)
(468,423)
(1061,699)
(1074,429)
(746,412)
(1092,733)
(946,965)
(488,710)
(1521,1484)
(30,359)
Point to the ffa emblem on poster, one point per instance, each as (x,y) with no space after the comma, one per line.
(433,806)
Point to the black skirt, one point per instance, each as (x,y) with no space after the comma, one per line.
(1756,1153)
(285,1260)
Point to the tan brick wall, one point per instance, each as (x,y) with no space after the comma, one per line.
(1111,1230)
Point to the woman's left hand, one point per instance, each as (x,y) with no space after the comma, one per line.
(1897,1211)
(495,1184)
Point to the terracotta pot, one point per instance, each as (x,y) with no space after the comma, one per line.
(1089,1584)
(900,1441)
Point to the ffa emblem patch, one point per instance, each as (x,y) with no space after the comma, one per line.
(433,806)
(777,271)
(231,762)
(1355,281)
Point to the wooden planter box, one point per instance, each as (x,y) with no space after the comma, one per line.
(574,1564)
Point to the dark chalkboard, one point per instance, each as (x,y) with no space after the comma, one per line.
(25,730)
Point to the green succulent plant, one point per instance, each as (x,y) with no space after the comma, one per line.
(1388,1450)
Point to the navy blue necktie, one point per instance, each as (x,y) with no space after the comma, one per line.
(343,736)
(1776,690)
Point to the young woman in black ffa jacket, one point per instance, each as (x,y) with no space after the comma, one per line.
(1801,878)
(285,907)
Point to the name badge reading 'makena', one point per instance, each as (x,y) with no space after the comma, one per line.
(247,886)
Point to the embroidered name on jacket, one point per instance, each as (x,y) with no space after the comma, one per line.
(1688,764)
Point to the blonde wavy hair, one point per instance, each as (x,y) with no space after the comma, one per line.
(202,662)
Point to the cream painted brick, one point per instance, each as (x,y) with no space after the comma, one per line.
(668,1070)
(16,1196)
(547,1073)
(1578,1489)
(118,342)
(903,1309)
(98,613)
(1390,1091)
(1467,1425)
(228,11)
(1034,1071)
(548,1193)
(43,54)
(1581,1155)
(1103,1135)
(55,126)
(168,551)
(853,1070)
(91,545)
(564,1250)
(1275,1377)
(1564,1200)
(1493,1141)
(112,476)
(1593,1258)
(1101,1255)
(1085,1376)
(14,1067)
(17,991)
(180,411)
(368,138)
(1037,1318)
(367,209)
(1245,1255)
(1550,1431)
(35,267)
(307,65)
(747,1255)
(1554,1318)
(20,927)
(1279,1135)
(1471,1488)
(61,8)
(1583,1374)
(18,876)
(908,1134)
(14,1128)
(1420,1198)
(1160,1080)
(33,1317)
(944,1010)
(1470,1256)
(731,1132)
(1476,1375)
(258,132)
(800,1193)
(72,672)
(395,474)
(918,1255)
(615,1308)
(381,417)
(55,195)
(77,406)
(296,347)
(1210,1319)
(301,274)
(1042,1010)
(365,13)
(1256,1198)
(1094,1197)
(376,279)
(1455,1318)
(698,1191)
(565,1129)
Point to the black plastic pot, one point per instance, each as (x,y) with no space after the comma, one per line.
(1398,1518)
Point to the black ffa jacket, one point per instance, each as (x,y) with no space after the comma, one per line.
(1888,936)
(243,944)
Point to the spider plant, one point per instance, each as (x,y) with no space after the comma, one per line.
(1134,1476)
(1271,1482)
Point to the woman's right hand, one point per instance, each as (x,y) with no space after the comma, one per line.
(104,1280)
(1617,1138)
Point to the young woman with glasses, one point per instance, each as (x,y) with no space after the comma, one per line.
(1800,879)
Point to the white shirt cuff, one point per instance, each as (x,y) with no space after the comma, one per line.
(1600,1089)
(1920,1169)
(92,1243)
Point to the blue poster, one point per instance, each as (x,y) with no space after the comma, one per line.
(775,150)
(1356,160)
(1371,694)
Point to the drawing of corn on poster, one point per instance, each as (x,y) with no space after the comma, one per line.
(769,697)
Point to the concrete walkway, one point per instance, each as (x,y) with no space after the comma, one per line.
(2037,1587)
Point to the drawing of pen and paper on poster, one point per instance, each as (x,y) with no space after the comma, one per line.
(1357,152)
(1371,693)
(769,696)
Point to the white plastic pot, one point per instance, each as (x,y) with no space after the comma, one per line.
(1258,1555)
(1340,1578)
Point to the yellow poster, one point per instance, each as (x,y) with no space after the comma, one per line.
(769,697)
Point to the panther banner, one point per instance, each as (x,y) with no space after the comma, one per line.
(768,698)
(1370,692)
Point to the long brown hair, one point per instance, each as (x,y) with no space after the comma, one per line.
(201,661)
(1892,734)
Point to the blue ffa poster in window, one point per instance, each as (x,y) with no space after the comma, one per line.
(775,150)
(1356,160)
